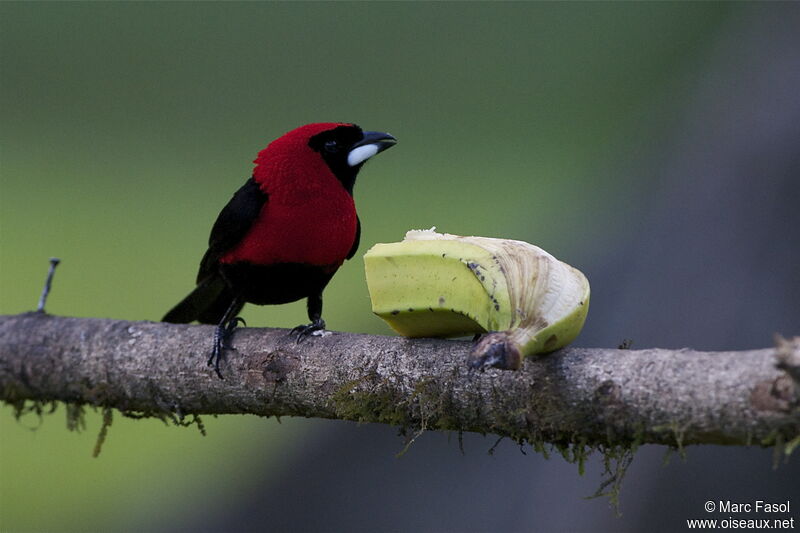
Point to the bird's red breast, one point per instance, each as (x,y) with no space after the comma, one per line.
(308,217)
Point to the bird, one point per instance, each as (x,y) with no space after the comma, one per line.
(285,232)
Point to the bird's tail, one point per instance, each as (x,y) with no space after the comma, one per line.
(207,303)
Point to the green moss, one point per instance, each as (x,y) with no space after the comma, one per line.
(76,416)
(679,433)
(580,452)
(616,460)
(790,446)
(23,407)
(539,446)
(576,449)
(108,418)
(782,446)
(378,404)
(375,399)
(166,417)
(197,421)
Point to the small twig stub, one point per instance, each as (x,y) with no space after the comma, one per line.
(54,261)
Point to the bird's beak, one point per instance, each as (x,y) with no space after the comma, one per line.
(373,143)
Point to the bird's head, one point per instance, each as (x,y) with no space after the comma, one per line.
(340,148)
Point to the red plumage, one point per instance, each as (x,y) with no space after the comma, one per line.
(310,218)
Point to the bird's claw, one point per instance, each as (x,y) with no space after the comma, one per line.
(222,336)
(305,330)
(233,323)
(216,355)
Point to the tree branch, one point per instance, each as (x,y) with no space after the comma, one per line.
(580,396)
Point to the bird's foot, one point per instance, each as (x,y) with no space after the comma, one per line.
(317,327)
(222,335)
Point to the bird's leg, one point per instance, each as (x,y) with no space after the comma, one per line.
(315,315)
(223,332)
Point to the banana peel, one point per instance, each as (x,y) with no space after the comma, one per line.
(519,298)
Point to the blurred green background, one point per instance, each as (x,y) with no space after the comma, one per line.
(126,127)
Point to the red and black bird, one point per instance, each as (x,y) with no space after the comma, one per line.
(284,234)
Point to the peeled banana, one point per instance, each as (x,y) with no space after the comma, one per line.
(520,298)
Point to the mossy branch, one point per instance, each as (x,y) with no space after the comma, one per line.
(577,396)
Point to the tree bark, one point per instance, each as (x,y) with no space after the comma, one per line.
(578,396)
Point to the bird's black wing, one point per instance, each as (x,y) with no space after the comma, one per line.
(357,240)
(233,223)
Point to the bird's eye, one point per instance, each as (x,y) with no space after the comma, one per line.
(331,147)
